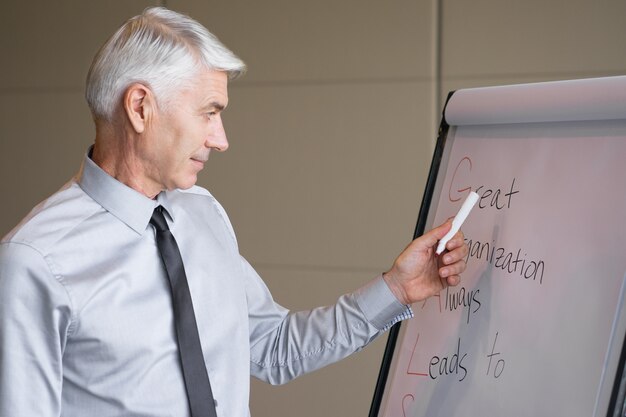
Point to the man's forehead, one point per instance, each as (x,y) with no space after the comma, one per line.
(211,89)
(218,79)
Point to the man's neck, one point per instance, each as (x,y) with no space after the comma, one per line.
(118,158)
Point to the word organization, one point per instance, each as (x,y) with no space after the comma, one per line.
(510,261)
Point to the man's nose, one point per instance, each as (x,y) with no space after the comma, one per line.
(217,140)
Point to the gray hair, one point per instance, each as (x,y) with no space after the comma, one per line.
(160,48)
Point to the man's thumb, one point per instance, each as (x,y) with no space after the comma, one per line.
(433,236)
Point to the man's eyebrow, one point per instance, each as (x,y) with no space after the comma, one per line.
(215,105)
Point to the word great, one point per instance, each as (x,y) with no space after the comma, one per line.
(499,198)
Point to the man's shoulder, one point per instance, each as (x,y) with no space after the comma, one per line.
(209,206)
(195,197)
(197,191)
(53,218)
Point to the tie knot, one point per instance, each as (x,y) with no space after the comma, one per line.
(158,220)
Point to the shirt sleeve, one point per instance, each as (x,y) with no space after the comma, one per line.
(34,323)
(285,345)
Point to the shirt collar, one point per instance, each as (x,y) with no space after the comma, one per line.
(125,203)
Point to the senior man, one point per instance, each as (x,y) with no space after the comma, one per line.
(124,293)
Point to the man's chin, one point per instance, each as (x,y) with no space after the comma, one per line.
(187,183)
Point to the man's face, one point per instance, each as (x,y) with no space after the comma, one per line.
(181,138)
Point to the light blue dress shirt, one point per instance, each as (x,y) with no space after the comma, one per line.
(86,326)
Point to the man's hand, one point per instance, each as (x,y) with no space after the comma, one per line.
(419,273)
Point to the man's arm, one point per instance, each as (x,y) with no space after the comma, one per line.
(285,345)
(34,322)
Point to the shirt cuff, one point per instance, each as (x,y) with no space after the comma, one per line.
(380,306)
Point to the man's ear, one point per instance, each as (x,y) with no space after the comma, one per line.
(139,106)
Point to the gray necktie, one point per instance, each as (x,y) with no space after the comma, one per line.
(199,392)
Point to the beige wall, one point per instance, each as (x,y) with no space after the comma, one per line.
(331,130)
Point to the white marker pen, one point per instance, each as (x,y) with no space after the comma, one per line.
(458,220)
